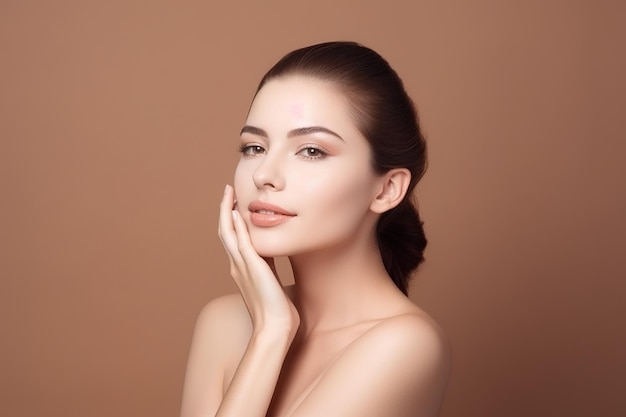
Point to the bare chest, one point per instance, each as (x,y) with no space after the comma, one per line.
(306,364)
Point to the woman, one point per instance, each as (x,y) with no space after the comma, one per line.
(331,152)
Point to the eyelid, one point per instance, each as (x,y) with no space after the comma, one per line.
(247,149)
(312,145)
(323,152)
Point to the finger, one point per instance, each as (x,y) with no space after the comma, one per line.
(245,246)
(255,265)
(226,228)
(225,219)
(243,238)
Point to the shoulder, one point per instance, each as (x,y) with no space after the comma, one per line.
(219,339)
(231,305)
(413,341)
(225,319)
(221,334)
(411,330)
(402,361)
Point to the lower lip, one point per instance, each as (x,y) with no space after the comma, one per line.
(268,220)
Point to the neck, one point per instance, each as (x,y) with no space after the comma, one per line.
(340,287)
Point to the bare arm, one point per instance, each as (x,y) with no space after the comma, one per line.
(212,338)
(252,387)
(274,322)
(398,368)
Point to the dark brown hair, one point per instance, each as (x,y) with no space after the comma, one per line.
(386,116)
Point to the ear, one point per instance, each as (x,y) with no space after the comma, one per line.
(392,189)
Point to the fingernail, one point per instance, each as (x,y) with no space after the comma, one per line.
(234,214)
(225,188)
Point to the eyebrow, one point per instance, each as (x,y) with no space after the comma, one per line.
(301,131)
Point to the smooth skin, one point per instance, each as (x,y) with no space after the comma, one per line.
(343,341)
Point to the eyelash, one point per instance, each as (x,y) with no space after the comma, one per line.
(320,153)
(251,150)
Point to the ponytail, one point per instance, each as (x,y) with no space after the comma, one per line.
(401,241)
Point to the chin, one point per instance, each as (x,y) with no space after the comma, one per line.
(269,252)
(269,248)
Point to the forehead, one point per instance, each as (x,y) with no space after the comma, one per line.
(296,101)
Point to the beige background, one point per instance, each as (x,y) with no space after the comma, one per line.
(118,126)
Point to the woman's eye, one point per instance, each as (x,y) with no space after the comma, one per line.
(251,150)
(312,153)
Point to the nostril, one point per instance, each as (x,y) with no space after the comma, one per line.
(268,174)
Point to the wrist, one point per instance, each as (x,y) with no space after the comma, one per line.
(274,334)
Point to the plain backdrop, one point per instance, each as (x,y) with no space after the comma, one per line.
(118,128)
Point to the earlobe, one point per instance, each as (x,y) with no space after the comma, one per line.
(393,187)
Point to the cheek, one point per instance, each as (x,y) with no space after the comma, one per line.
(242,178)
(338,191)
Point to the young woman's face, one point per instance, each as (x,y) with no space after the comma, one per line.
(304,182)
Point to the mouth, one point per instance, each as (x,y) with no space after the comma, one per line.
(265,212)
(268,215)
(268,209)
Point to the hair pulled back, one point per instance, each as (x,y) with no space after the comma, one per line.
(386,117)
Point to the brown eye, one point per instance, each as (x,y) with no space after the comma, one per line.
(251,150)
(311,152)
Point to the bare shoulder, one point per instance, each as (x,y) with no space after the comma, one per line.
(222,331)
(226,320)
(229,307)
(220,336)
(411,330)
(414,342)
(399,367)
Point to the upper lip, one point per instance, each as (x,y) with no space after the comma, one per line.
(257,205)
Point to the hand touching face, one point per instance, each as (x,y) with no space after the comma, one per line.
(304,182)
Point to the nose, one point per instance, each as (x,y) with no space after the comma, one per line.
(268,174)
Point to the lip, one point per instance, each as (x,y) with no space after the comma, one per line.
(268,215)
(257,206)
